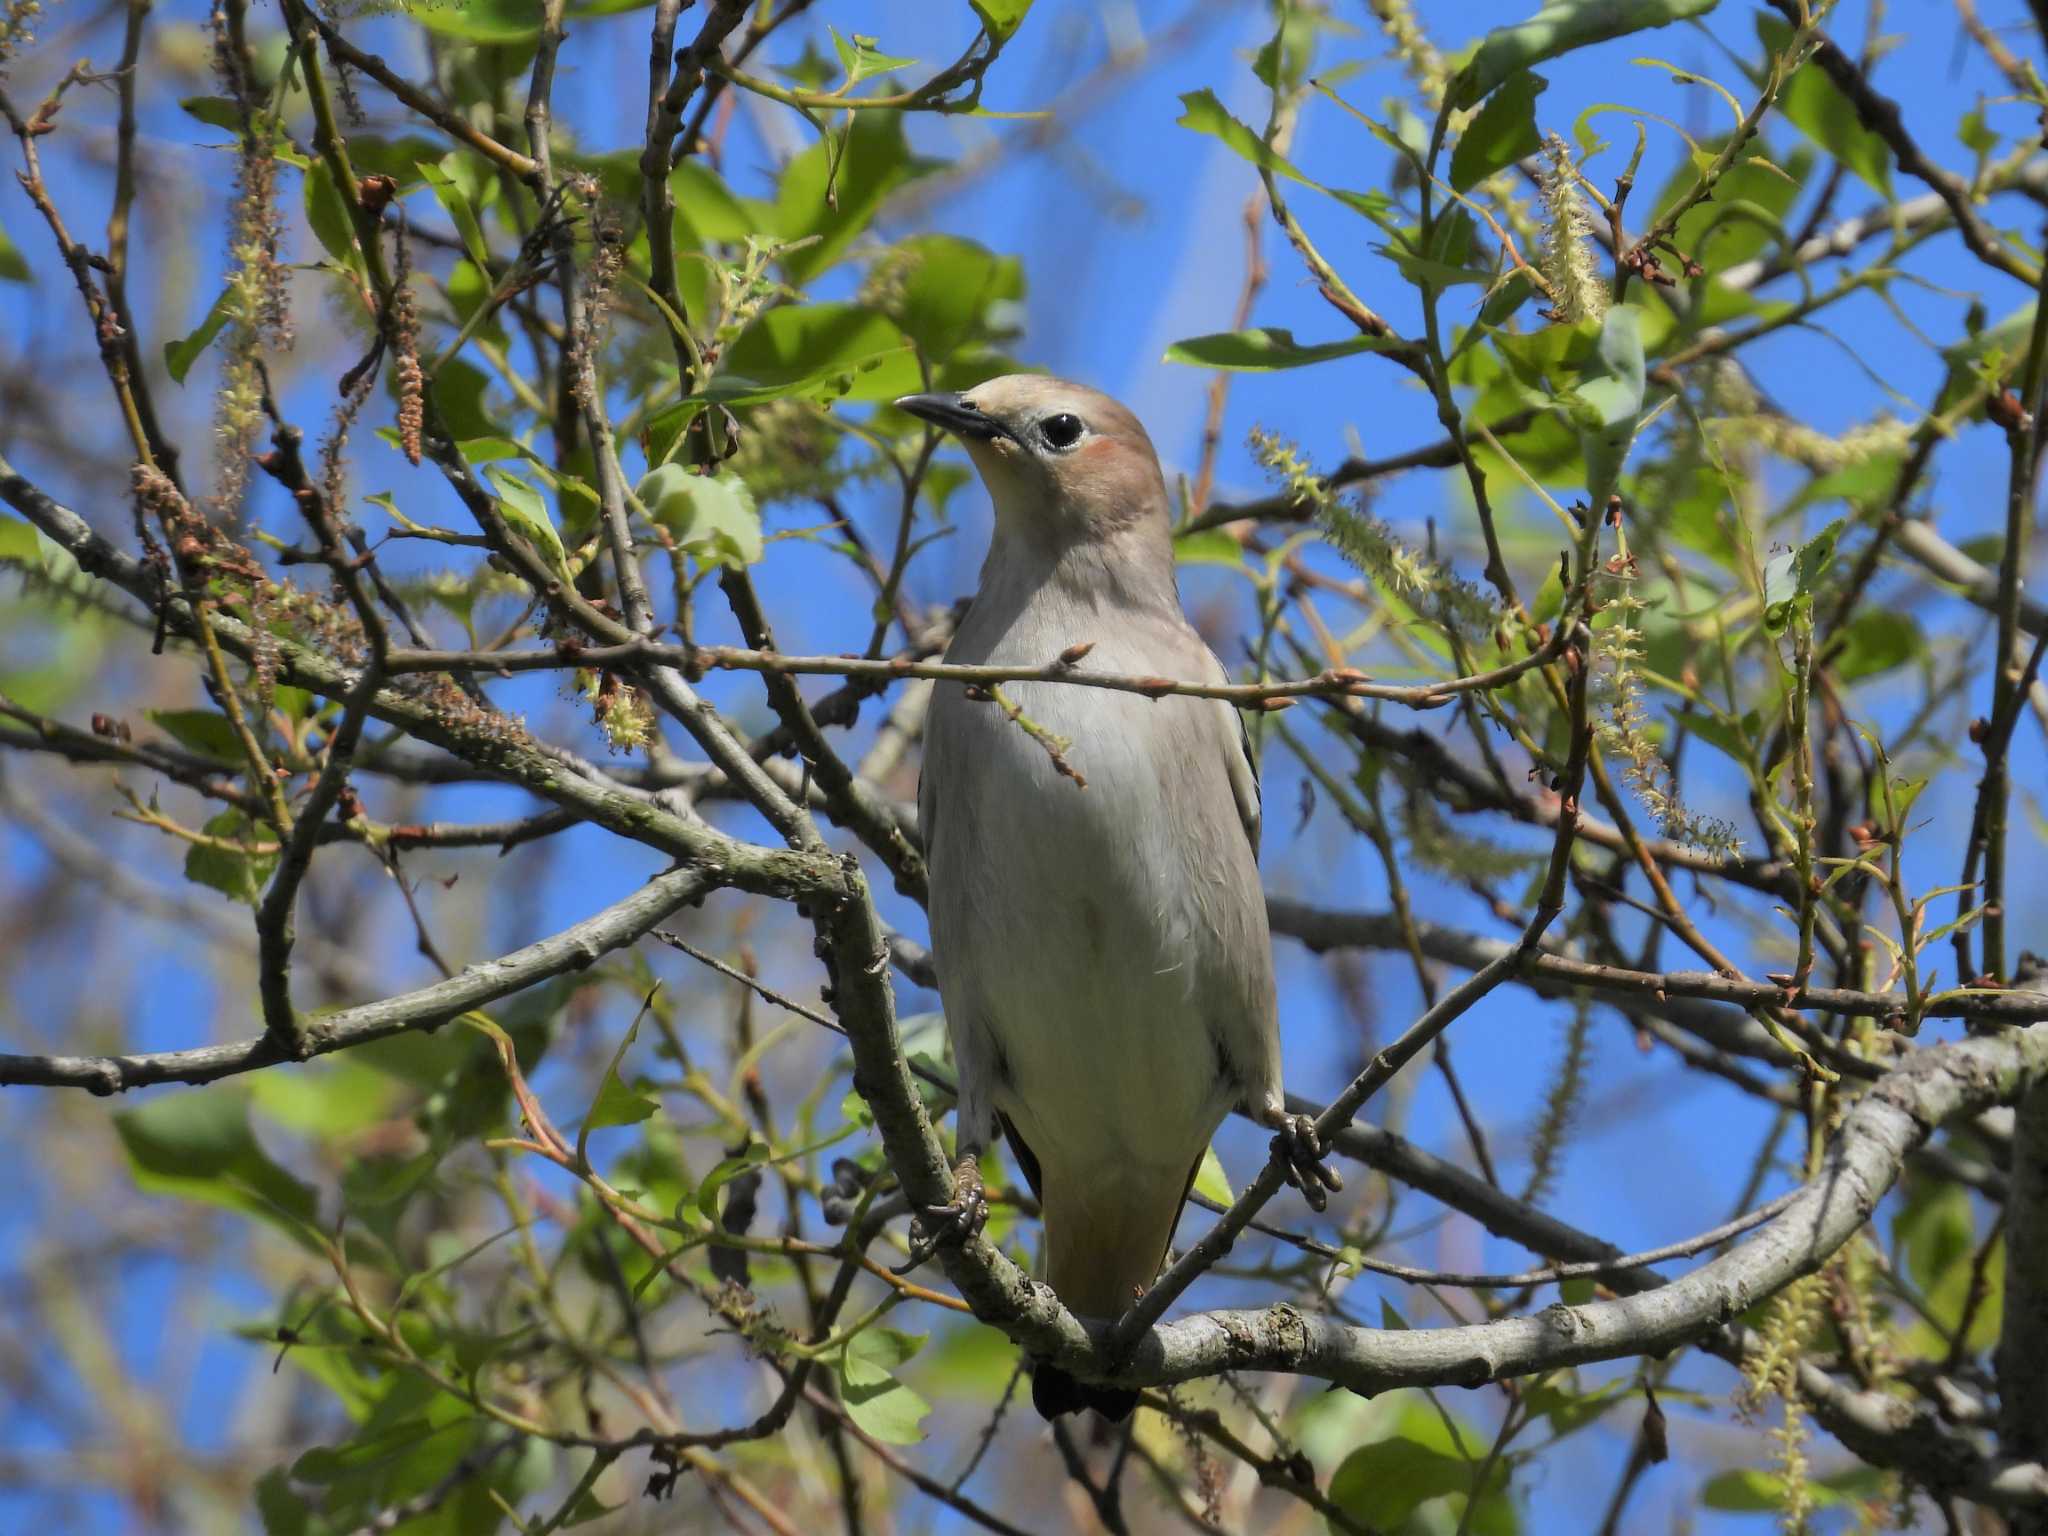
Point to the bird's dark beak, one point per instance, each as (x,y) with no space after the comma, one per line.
(955,414)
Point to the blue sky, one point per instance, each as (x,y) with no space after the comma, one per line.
(1129,231)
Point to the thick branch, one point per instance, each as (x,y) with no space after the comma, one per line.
(2023,1340)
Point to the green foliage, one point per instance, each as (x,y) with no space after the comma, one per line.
(710,516)
(1502,134)
(879,1403)
(1264,350)
(197,1145)
(13,265)
(1386,1483)
(235,859)
(1815,105)
(1560,27)
(508,1236)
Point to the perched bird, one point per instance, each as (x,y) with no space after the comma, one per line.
(1097,919)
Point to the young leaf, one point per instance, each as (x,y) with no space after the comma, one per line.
(197,1145)
(1381,1485)
(711,516)
(1001,18)
(817,351)
(1607,402)
(524,509)
(1264,350)
(1502,133)
(727,1170)
(877,1401)
(13,265)
(859,57)
(202,730)
(615,1104)
(328,217)
(1561,27)
(1211,1181)
(455,203)
(179,356)
(834,189)
(1205,114)
(240,875)
(1817,108)
(1793,576)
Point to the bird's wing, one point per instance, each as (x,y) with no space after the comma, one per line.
(1242,766)
(1244,782)
(973,1064)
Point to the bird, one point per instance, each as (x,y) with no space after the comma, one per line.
(1098,926)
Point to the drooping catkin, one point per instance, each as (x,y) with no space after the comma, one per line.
(1564,254)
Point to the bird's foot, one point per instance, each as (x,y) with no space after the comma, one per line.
(1300,1152)
(960,1219)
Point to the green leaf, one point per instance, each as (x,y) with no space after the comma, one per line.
(1210,1179)
(203,730)
(1746,1488)
(1381,1485)
(1986,357)
(195,1144)
(327,215)
(179,356)
(480,21)
(18,544)
(877,1401)
(1814,105)
(214,111)
(1503,132)
(525,509)
(455,203)
(1202,112)
(1792,576)
(711,516)
(833,190)
(334,1096)
(817,351)
(1265,350)
(950,291)
(706,209)
(616,1104)
(1746,214)
(1285,59)
(727,1170)
(859,57)
(459,390)
(399,158)
(13,265)
(1001,18)
(1876,641)
(1607,402)
(1933,1230)
(240,875)
(1211,546)
(1558,28)
(1569,1410)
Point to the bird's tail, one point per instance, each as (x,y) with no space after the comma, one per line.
(1054,1392)
(1106,1235)
(1105,1238)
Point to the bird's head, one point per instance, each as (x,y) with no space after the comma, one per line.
(1060,460)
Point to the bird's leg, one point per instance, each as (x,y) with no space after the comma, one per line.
(1300,1152)
(955,1222)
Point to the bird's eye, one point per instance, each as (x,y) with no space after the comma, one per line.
(1061,431)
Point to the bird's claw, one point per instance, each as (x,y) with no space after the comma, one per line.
(1300,1152)
(960,1219)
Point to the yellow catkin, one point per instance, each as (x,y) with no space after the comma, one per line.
(1564,254)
